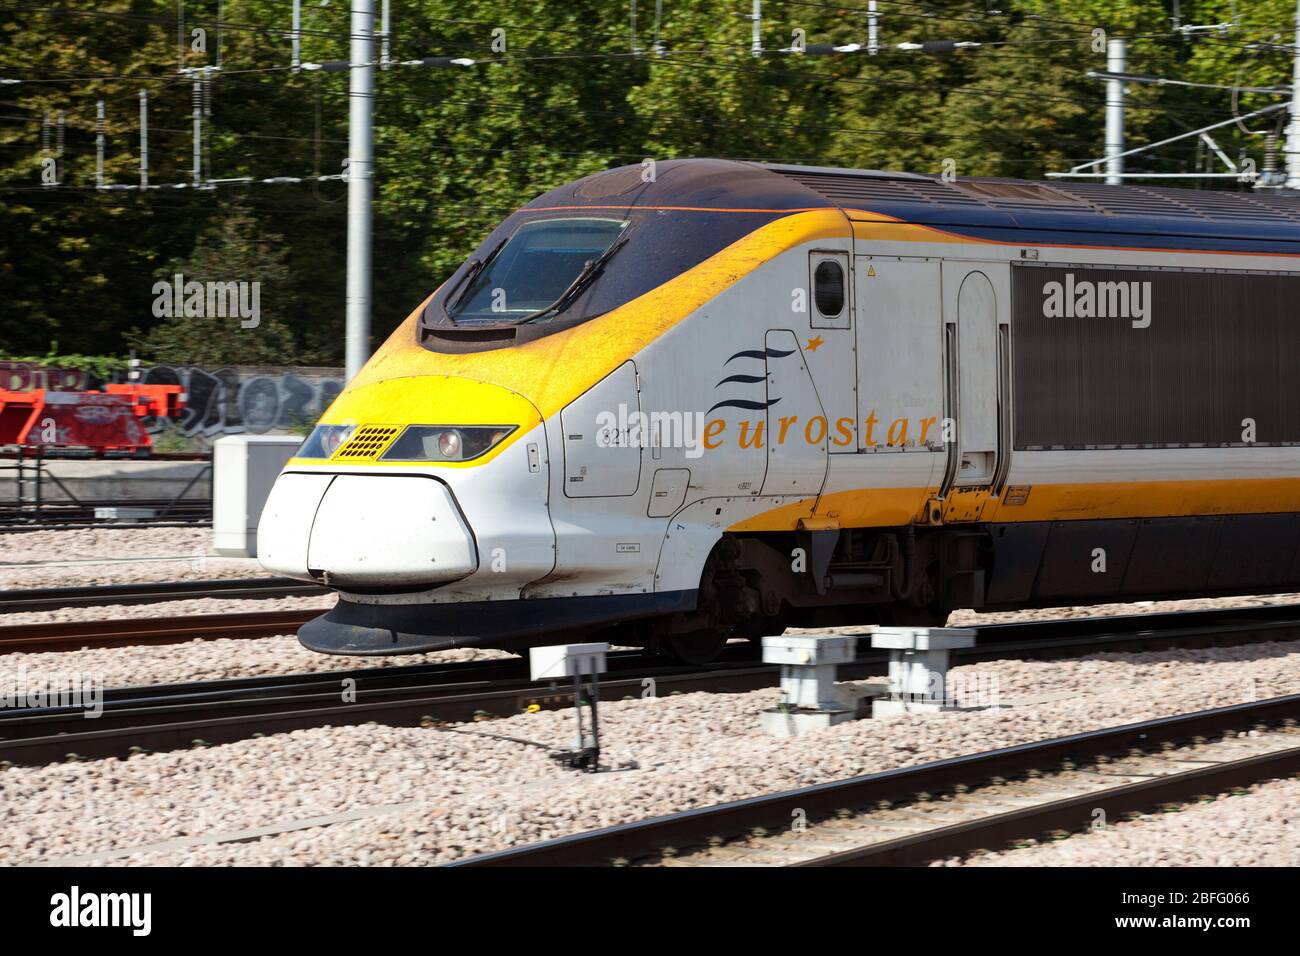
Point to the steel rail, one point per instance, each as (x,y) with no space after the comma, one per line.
(180,716)
(1069,635)
(53,599)
(224,711)
(132,632)
(1065,814)
(633,841)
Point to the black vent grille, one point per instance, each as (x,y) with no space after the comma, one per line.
(847,188)
(1010,196)
(1017,195)
(1131,200)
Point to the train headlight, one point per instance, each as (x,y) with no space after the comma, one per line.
(324,441)
(449,444)
(445,442)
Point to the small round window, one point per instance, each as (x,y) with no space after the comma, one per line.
(828,287)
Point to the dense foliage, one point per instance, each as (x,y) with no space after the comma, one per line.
(458,148)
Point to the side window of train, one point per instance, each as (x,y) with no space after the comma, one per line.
(828,274)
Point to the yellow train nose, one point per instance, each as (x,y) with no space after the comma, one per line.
(370,422)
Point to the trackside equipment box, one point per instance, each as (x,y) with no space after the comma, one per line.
(244,467)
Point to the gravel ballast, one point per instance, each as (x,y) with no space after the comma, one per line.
(381,795)
(430,795)
(66,545)
(82,557)
(216,660)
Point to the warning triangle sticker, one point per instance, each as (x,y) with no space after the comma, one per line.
(871,270)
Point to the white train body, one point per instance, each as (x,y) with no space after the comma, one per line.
(700,444)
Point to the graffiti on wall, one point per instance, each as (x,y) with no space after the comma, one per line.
(25,376)
(229,401)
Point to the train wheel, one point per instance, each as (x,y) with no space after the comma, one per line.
(695,648)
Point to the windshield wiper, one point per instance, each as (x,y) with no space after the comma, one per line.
(465,284)
(589,272)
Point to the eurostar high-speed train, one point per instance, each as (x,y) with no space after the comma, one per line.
(670,406)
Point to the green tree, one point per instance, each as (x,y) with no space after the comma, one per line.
(458,148)
(233,251)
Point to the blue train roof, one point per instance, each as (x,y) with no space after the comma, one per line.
(1011,210)
(1002,210)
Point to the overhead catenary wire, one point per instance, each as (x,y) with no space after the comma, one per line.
(710,60)
(204,75)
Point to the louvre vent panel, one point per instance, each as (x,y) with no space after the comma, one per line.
(1130,201)
(849,188)
(1013,196)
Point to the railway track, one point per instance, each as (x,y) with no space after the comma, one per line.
(946,808)
(71,515)
(212,712)
(1041,638)
(53,599)
(144,631)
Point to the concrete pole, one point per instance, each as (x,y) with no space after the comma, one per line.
(144,139)
(99,144)
(197,116)
(295,35)
(361,99)
(1293,130)
(1116,62)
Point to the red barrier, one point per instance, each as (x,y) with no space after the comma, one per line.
(111,420)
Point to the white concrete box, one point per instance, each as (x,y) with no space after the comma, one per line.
(567,660)
(244,467)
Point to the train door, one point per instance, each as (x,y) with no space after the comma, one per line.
(797,426)
(977,355)
(900,383)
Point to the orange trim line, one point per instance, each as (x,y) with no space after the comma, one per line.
(886,220)
(686,208)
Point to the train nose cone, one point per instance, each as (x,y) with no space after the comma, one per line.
(365,530)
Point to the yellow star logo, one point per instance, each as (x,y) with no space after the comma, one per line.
(814,344)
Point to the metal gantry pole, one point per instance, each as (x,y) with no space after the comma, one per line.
(197,97)
(1115,63)
(144,139)
(99,144)
(1293,130)
(361,101)
(295,35)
